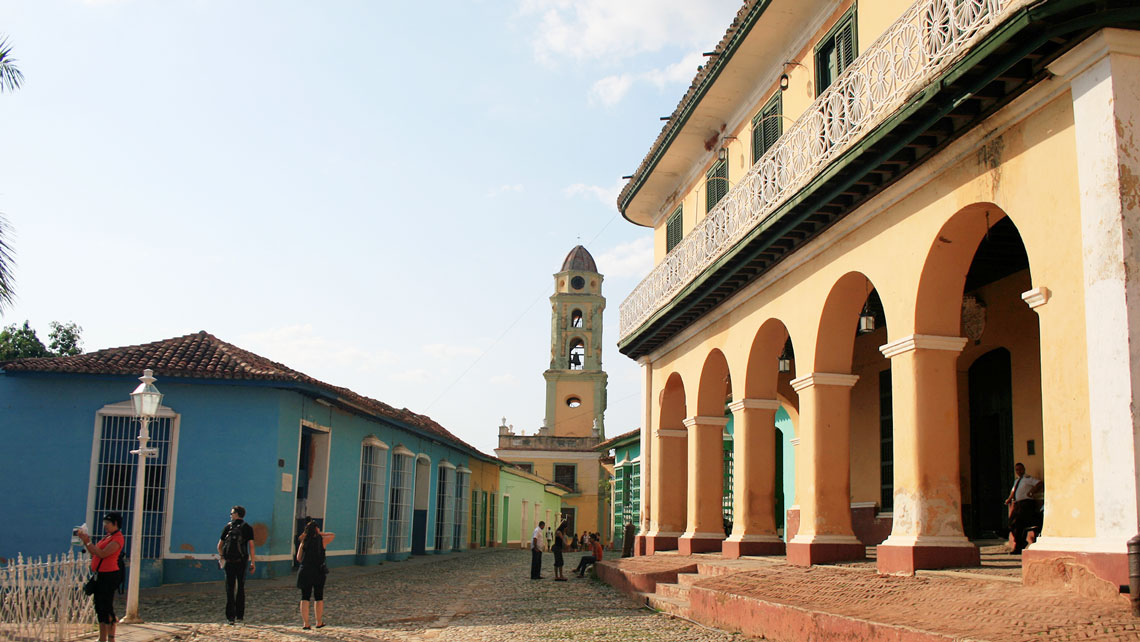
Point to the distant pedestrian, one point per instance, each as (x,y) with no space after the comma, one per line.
(1023,512)
(574,542)
(559,546)
(593,557)
(238,552)
(537,542)
(108,575)
(313,572)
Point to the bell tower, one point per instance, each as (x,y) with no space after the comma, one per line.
(575,382)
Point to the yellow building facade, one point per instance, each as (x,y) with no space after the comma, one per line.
(909,228)
(563,449)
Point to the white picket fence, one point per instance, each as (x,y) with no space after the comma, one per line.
(42,599)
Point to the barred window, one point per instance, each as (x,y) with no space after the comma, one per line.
(370,526)
(400,504)
(445,508)
(462,514)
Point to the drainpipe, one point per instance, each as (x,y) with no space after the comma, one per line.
(1134,574)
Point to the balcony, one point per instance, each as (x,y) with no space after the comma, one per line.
(925,81)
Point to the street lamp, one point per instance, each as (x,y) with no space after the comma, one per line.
(146,399)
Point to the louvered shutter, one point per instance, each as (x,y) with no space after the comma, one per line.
(845,45)
(673,230)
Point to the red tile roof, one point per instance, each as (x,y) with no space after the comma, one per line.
(204,356)
(612,441)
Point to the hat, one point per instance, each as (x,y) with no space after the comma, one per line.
(113,517)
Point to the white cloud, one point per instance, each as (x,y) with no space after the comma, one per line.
(415,375)
(612,31)
(610,90)
(504,189)
(504,380)
(679,72)
(301,348)
(631,260)
(444,351)
(607,195)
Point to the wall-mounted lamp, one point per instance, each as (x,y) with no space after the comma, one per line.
(784,80)
(722,153)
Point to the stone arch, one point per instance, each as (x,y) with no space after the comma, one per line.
(835,336)
(761,378)
(669,464)
(715,385)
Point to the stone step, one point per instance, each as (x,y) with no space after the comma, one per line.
(670,605)
(687,579)
(673,590)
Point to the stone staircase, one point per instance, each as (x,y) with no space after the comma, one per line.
(673,598)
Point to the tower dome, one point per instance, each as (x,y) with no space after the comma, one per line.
(579,260)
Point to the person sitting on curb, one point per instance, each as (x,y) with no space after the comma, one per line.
(593,558)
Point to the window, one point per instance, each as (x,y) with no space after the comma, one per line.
(716,184)
(619,499)
(400,502)
(115,475)
(475,521)
(567,475)
(767,127)
(577,355)
(462,510)
(726,495)
(491,532)
(370,526)
(576,319)
(635,493)
(445,508)
(573,402)
(835,52)
(673,230)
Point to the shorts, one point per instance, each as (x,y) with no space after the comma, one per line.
(314,592)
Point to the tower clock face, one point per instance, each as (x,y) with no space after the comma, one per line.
(577,283)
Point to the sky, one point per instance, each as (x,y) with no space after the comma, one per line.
(376,194)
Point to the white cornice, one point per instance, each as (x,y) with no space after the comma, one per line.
(754,404)
(1036,297)
(705,421)
(824,379)
(666,432)
(1095,47)
(922,342)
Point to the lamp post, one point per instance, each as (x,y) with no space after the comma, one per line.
(146,399)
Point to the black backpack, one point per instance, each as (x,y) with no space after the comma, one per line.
(232,547)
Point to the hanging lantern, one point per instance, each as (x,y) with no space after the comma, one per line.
(866,320)
(784,363)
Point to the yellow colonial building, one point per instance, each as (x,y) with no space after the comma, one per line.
(902,240)
(563,449)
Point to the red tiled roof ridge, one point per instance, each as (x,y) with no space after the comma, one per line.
(202,355)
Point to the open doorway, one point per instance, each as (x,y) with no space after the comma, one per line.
(420,509)
(991,443)
(312,479)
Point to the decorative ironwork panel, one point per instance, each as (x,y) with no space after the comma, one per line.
(370,530)
(400,506)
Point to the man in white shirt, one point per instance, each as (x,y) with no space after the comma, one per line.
(537,543)
(1023,513)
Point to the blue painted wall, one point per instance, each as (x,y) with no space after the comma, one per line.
(235,440)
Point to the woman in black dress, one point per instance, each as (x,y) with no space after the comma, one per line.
(311,576)
(560,542)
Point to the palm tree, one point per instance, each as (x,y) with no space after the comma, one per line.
(10,75)
(10,79)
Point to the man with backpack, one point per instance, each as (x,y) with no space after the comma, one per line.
(237,551)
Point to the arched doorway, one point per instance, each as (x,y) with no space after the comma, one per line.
(991,444)
(668,503)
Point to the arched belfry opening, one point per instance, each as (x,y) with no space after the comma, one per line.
(576,355)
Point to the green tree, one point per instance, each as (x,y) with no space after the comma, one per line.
(21,343)
(10,79)
(64,339)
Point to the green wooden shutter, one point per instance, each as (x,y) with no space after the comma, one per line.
(673,230)
(767,127)
(845,45)
(716,184)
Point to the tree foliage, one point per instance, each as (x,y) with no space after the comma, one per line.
(21,342)
(10,74)
(10,79)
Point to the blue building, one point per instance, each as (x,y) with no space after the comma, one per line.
(234,428)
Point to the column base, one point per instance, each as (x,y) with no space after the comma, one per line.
(752,545)
(639,545)
(903,556)
(660,542)
(825,549)
(699,543)
(1096,571)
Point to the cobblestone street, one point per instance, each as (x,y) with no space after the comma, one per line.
(482,595)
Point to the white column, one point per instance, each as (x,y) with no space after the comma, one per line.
(1106,110)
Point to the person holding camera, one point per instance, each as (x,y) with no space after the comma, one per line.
(108,575)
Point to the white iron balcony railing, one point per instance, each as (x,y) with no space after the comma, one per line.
(925,41)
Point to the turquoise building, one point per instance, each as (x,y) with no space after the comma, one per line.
(234,428)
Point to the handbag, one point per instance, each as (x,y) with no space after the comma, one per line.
(92,580)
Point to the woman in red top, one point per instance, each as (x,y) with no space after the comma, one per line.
(105,563)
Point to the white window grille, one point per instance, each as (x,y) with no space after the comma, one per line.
(400,504)
(445,508)
(635,493)
(370,529)
(115,473)
(462,514)
(491,532)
